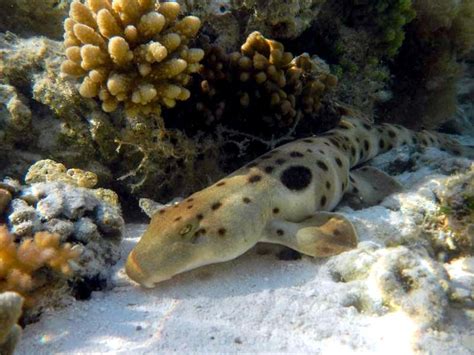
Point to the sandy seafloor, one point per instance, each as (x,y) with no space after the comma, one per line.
(258,303)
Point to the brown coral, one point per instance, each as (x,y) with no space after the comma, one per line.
(131,51)
(268,83)
(20,261)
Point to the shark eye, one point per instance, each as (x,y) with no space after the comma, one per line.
(186,229)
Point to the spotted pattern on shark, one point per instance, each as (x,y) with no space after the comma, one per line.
(282,197)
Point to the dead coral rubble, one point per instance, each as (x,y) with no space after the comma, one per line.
(132,52)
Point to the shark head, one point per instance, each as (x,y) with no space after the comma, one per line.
(206,228)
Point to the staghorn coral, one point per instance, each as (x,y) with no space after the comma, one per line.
(270,87)
(132,52)
(19,262)
(10,311)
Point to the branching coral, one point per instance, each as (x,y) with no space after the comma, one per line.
(20,262)
(263,85)
(131,51)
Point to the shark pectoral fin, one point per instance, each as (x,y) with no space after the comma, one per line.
(321,235)
(369,186)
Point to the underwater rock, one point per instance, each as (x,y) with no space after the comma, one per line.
(229,20)
(10,311)
(17,116)
(27,18)
(84,222)
(397,278)
(461,273)
(453,226)
(33,97)
(412,282)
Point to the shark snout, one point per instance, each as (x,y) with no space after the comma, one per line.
(135,271)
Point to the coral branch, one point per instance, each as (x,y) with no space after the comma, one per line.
(20,261)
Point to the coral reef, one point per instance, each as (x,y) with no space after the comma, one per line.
(384,19)
(68,128)
(452,229)
(430,63)
(354,49)
(42,114)
(256,98)
(28,127)
(228,21)
(10,311)
(27,18)
(20,262)
(269,84)
(48,170)
(131,52)
(63,235)
(18,116)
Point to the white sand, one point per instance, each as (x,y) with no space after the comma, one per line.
(258,303)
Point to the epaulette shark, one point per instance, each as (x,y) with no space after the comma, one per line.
(282,197)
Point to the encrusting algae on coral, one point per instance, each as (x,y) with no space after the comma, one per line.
(131,51)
